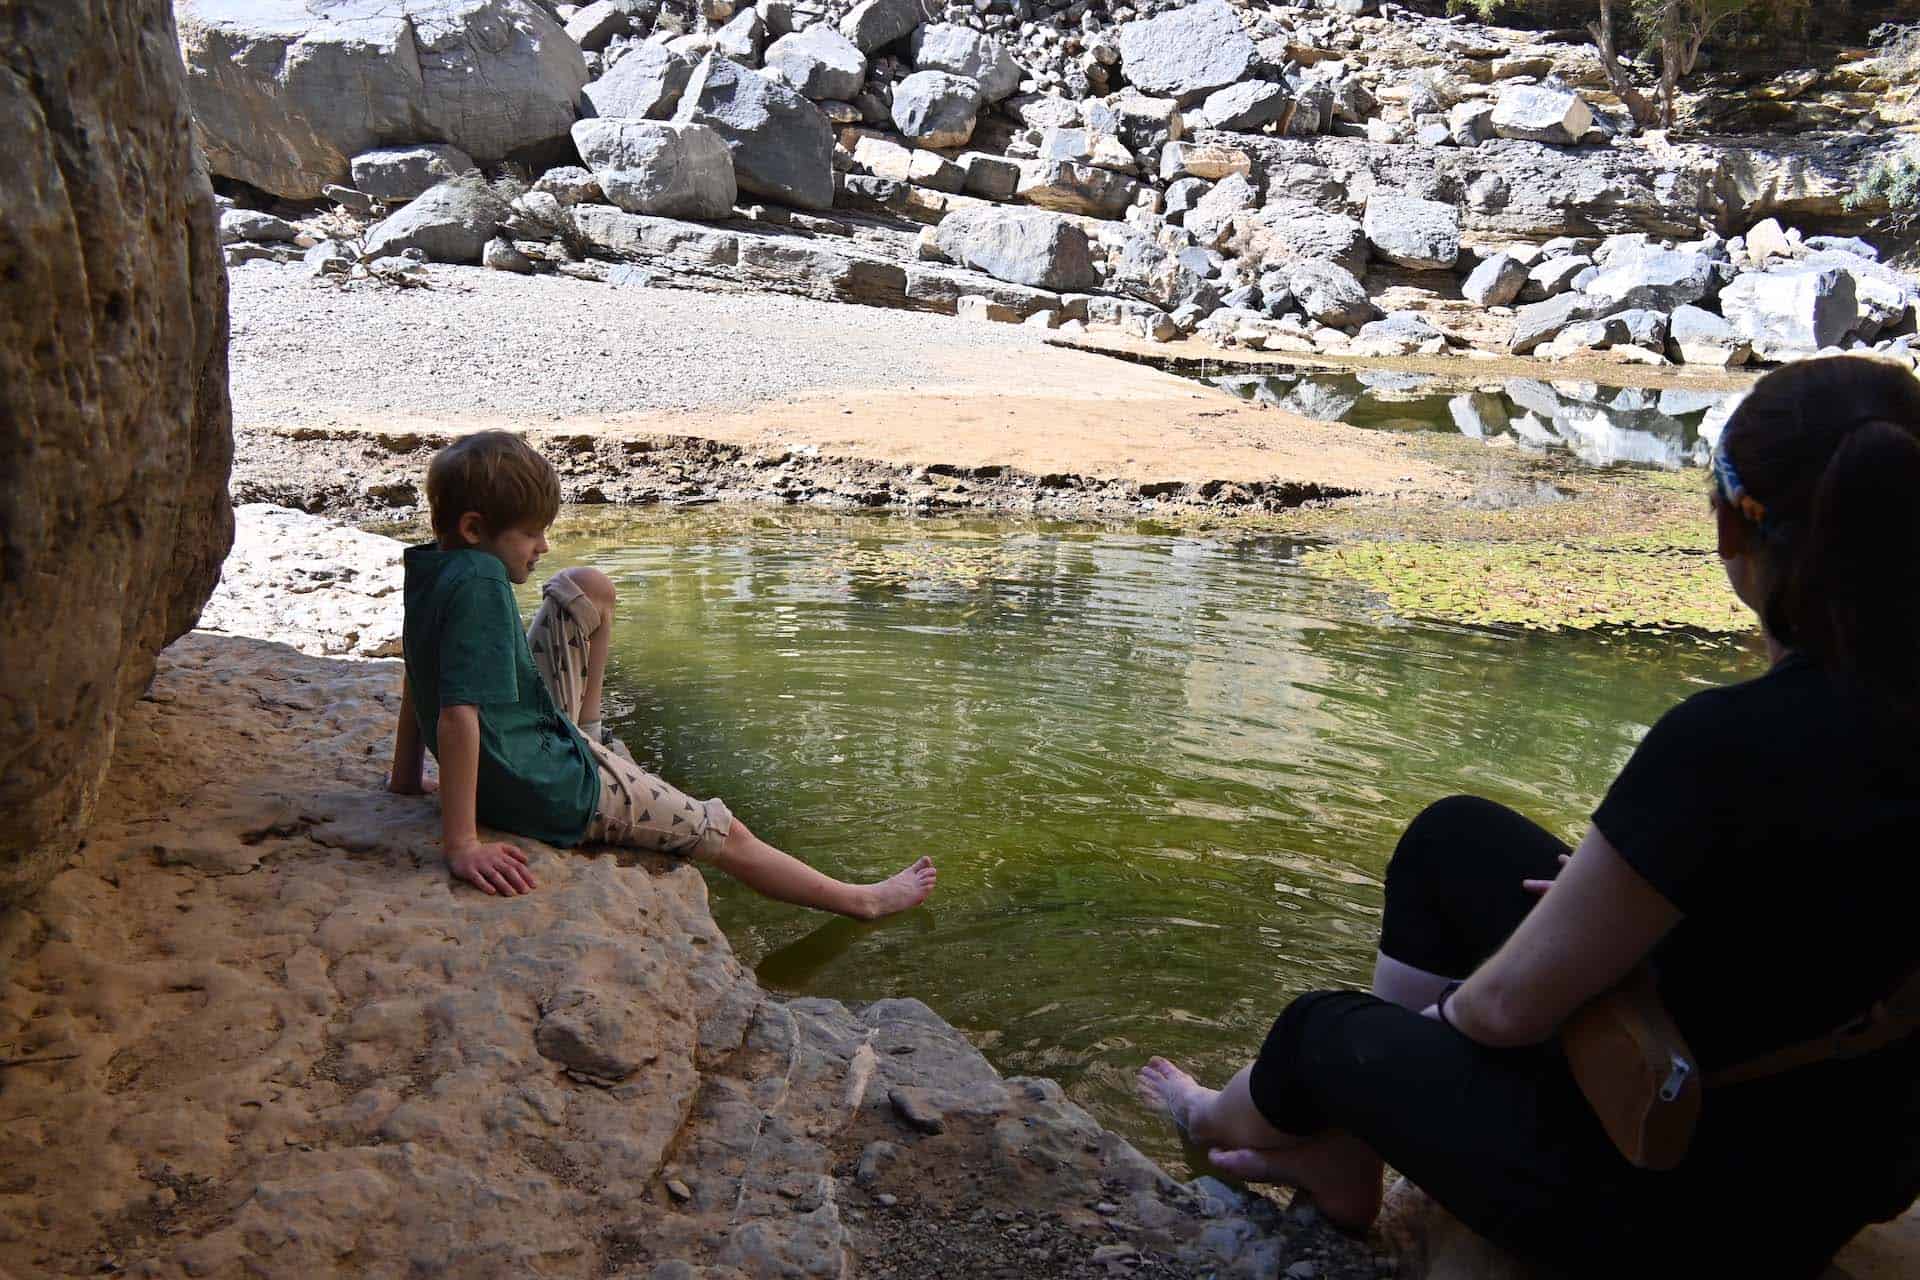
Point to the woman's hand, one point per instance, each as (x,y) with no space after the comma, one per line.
(492,866)
(1538,888)
(1601,919)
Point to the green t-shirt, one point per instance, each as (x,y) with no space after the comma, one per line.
(465,646)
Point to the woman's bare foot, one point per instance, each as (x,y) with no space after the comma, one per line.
(1166,1086)
(899,892)
(1341,1173)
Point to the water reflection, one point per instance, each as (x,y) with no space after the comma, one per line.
(1162,774)
(1597,424)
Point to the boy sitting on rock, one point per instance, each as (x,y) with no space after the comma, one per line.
(514,719)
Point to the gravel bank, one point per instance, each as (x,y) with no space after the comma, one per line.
(479,342)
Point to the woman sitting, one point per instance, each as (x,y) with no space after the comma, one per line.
(1759,849)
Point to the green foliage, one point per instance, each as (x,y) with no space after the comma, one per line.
(1895,182)
(1657,18)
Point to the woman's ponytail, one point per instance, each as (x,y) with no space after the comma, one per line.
(1853,590)
(1830,448)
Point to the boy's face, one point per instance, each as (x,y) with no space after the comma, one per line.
(519,547)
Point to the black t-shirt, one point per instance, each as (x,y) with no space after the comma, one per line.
(1782,818)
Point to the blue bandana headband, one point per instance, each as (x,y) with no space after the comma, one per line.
(1727,479)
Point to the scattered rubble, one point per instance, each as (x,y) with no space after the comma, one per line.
(1164,170)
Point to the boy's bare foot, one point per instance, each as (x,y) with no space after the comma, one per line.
(899,892)
(1340,1172)
(1166,1086)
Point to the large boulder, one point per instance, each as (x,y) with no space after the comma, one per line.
(117,436)
(1211,219)
(250,224)
(1286,231)
(1087,146)
(963,51)
(1423,235)
(819,63)
(1404,333)
(1181,196)
(594,26)
(1556,276)
(743,38)
(1247,105)
(645,84)
(1886,297)
(1542,322)
(401,173)
(1207,161)
(1696,336)
(1792,313)
(1186,53)
(1659,278)
(1068,187)
(1330,294)
(1843,244)
(936,109)
(1148,270)
(658,167)
(450,223)
(1536,113)
(285,92)
(1044,250)
(782,146)
(1495,282)
(873,23)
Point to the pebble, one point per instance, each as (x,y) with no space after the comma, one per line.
(886,1200)
(679,1190)
(914,1107)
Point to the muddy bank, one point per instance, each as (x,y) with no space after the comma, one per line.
(378,476)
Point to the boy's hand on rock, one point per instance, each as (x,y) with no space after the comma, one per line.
(496,868)
(412,787)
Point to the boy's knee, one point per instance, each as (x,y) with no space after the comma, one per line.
(597,586)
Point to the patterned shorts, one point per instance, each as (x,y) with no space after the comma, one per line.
(636,809)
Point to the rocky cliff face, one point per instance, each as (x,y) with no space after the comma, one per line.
(116,438)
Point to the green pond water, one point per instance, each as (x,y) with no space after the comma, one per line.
(1161,774)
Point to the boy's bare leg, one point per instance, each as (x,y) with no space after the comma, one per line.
(745,856)
(600,590)
(766,870)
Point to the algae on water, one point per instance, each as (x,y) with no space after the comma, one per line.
(1541,585)
(1578,551)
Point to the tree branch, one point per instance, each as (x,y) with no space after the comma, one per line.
(1642,111)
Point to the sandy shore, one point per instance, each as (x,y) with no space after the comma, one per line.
(562,356)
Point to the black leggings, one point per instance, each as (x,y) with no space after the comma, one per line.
(1502,1137)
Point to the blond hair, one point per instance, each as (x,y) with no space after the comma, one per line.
(496,474)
